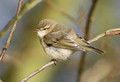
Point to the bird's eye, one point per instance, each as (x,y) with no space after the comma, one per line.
(45,29)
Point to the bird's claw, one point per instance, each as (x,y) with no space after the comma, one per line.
(54,60)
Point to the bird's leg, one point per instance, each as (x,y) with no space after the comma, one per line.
(54,60)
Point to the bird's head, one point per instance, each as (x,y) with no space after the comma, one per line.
(44,27)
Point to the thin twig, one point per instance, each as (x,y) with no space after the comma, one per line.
(11,33)
(27,6)
(113,32)
(11,21)
(86,36)
(107,33)
(37,71)
(96,38)
(88,22)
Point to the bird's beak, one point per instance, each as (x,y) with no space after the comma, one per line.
(36,30)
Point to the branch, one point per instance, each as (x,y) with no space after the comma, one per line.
(86,36)
(87,30)
(27,6)
(96,38)
(37,71)
(11,33)
(107,33)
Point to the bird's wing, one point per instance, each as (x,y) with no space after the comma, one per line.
(59,39)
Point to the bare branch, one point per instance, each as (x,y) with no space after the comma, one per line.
(37,71)
(113,32)
(107,33)
(27,6)
(86,36)
(96,38)
(11,33)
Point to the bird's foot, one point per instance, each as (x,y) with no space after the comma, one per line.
(54,60)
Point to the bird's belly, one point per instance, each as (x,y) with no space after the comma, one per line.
(58,53)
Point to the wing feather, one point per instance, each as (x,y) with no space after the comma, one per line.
(59,39)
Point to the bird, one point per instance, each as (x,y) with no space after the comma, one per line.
(60,41)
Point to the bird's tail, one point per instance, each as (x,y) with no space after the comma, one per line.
(95,49)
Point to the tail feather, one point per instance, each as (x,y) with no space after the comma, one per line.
(96,50)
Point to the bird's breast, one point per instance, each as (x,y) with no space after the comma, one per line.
(58,53)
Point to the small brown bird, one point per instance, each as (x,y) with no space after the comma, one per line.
(59,41)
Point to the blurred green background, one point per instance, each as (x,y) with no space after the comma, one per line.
(25,53)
